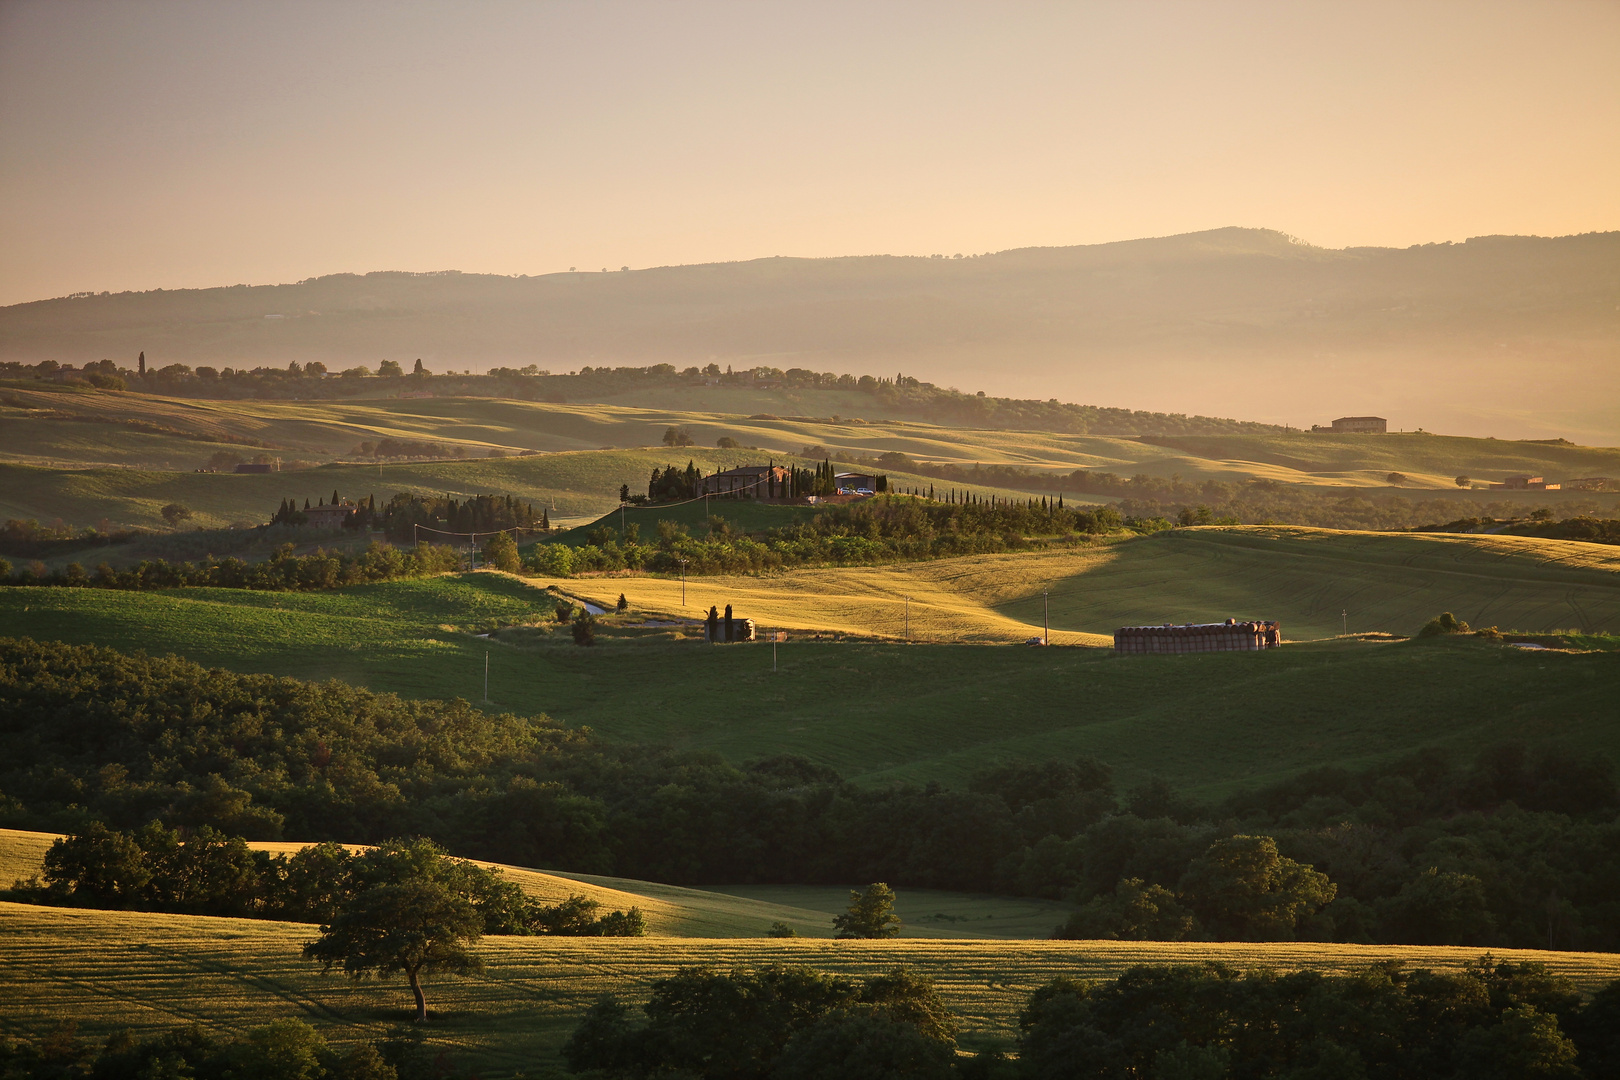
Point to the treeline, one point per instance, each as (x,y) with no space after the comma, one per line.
(1491,1020)
(1593,530)
(876,530)
(281,1050)
(27,538)
(1512,848)
(207,872)
(283,571)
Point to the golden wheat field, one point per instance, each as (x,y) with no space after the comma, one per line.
(110,970)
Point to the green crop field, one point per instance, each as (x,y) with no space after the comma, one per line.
(938,709)
(146,972)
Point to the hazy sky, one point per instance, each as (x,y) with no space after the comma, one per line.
(167,145)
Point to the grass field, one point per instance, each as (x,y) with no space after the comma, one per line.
(674,911)
(34,431)
(938,710)
(110,970)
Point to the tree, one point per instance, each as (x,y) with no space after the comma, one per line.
(1242,890)
(870,915)
(419,370)
(623,605)
(97,864)
(1463,481)
(175,513)
(584,628)
(501,552)
(1438,908)
(726,442)
(414,926)
(624,493)
(390,369)
(1396,479)
(565,611)
(678,436)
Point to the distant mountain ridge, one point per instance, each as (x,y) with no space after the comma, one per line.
(1516,335)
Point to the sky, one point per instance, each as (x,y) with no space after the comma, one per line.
(168,145)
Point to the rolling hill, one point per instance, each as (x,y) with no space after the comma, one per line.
(1233,321)
(943,707)
(109,970)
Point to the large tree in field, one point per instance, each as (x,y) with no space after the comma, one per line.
(870,915)
(415,926)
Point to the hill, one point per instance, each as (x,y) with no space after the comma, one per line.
(674,911)
(1244,322)
(143,451)
(939,710)
(147,972)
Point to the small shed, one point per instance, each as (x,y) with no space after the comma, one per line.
(1176,639)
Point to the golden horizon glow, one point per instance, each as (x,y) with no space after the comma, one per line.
(147,145)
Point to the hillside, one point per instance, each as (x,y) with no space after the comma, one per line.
(879,711)
(1234,322)
(110,970)
(673,911)
(142,452)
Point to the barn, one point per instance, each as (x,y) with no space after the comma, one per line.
(1228,636)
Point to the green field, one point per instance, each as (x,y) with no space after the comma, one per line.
(111,970)
(938,710)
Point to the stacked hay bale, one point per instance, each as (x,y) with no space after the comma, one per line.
(1229,636)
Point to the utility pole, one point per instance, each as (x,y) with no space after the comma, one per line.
(1046,618)
(486,676)
(1345,615)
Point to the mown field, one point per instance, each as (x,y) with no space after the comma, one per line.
(111,970)
(941,708)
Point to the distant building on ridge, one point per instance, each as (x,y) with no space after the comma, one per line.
(1357,425)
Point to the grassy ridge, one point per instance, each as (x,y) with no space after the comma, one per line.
(129,432)
(109,970)
(674,911)
(923,711)
(578,486)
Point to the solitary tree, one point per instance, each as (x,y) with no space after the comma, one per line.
(623,605)
(501,552)
(870,915)
(1463,481)
(413,926)
(1396,479)
(584,628)
(175,513)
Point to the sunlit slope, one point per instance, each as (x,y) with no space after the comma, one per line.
(571,487)
(63,426)
(1303,578)
(146,972)
(872,711)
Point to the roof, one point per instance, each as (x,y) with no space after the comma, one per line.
(1342,419)
(749,470)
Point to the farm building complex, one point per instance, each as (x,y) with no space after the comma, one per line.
(1357,425)
(1229,636)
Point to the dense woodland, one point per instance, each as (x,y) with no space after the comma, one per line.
(1518,846)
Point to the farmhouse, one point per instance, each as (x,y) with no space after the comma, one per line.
(1357,424)
(329,517)
(851,482)
(1525,483)
(748,482)
(1229,636)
